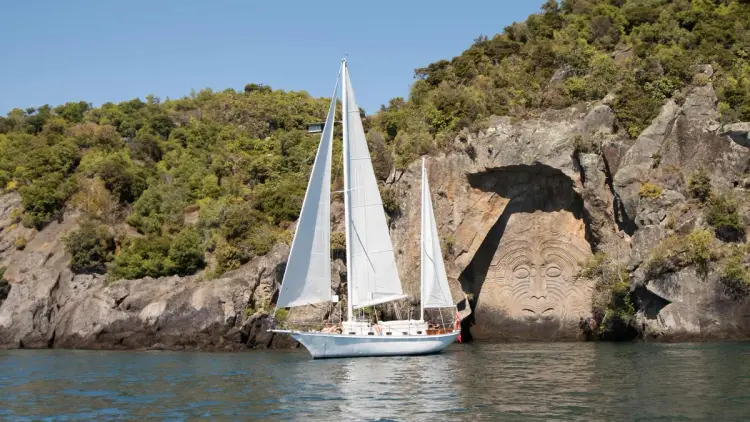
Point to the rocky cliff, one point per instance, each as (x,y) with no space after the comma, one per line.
(522,207)
(49,306)
(526,203)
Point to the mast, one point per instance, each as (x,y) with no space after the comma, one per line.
(347,193)
(423,264)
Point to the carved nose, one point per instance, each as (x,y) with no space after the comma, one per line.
(538,285)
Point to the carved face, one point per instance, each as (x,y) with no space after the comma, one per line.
(534,271)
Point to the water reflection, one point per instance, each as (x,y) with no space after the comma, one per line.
(480,382)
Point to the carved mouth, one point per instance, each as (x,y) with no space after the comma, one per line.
(538,315)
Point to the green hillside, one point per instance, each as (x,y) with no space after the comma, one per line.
(215,178)
(643,51)
(234,162)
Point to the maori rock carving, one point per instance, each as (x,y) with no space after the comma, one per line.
(534,275)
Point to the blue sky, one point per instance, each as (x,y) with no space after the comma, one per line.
(98,51)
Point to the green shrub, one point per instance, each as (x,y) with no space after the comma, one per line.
(699,185)
(145,146)
(723,216)
(281,315)
(95,200)
(91,247)
(649,190)
(159,210)
(676,252)
(699,252)
(142,257)
(185,252)
(390,200)
(120,176)
(634,107)
(447,244)
(228,257)
(701,79)
(735,277)
(239,220)
(73,112)
(338,244)
(20,243)
(43,199)
(11,186)
(382,159)
(281,200)
(655,159)
(576,88)
(613,306)
(585,144)
(261,240)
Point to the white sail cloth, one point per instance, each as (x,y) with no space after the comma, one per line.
(435,290)
(372,264)
(307,279)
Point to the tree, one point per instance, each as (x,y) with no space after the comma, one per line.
(142,257)
(259,88)
(145,146)
(185,252)
(73,112)
(91,247)
(382,159)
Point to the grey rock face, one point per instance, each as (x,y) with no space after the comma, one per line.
(523,171)
(636,164)
(739,133)
(686,306)
(526,190)
(48,306)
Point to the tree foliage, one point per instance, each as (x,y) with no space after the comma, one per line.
(91,247)
(238,162)
(241,159)
(642,51)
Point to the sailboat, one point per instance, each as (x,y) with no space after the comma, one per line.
(371,264)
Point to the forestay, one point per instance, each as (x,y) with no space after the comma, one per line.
(435,290)
(372,264)
(307,279)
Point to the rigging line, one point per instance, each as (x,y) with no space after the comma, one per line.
(374,252)
(356,232)
(374,204)
(344,190)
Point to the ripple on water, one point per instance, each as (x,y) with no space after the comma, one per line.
(572,381)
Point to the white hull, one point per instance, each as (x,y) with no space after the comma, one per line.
(326,345)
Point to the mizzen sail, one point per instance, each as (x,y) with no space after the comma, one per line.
(307,279)
(435,290)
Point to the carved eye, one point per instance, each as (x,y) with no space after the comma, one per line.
(553,272)
(521,272)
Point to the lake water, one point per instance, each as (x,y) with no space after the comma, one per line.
(533,381)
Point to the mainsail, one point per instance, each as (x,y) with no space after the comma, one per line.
(371,263)
(435,290)
(307,279)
